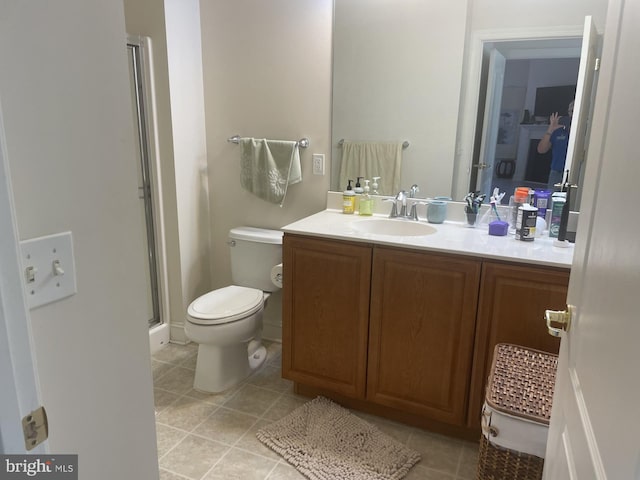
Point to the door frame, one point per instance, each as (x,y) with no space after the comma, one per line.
(470,100)
(20,392)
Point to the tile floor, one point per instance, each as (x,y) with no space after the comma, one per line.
(207,437)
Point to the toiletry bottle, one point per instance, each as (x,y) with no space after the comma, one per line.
(558,200)
(518,199)
(366,202)
(348,199)
(358,190)
(541,200)
(374,185)
(526,223)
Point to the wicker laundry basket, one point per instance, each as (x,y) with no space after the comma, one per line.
(516,412)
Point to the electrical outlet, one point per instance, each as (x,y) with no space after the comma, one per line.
(318,163)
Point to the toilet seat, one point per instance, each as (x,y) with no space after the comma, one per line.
(225,305)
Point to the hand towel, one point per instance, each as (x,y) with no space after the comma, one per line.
(268,167)
(372,159)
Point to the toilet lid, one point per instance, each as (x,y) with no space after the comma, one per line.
(225,305)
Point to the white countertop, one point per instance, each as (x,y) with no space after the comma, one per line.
(451,237)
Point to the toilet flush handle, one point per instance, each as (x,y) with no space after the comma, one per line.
(231,243)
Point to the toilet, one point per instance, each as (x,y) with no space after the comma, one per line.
(227,323)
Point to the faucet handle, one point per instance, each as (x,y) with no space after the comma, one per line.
(394,207)
(413,213)
(413,190)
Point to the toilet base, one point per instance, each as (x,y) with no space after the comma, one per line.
(258,357)
(220,368)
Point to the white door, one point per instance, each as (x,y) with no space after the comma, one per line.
(582,110)
(491,122)
(19,394)
(595,423)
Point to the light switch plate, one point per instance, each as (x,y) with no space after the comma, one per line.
(48,268)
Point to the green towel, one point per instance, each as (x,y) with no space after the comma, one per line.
(268,167)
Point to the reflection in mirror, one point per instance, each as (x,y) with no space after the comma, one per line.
(527,83)
(546,147)
(393,82)
(396,80)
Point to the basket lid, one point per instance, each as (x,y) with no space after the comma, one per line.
(522,381)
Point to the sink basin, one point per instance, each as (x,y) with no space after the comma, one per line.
(400,228)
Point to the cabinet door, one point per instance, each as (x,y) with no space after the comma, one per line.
(513,299)
(423,310)
(326,314)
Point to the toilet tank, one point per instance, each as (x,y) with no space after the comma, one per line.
(254,252)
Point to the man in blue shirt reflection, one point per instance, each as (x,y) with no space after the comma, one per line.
(556,139)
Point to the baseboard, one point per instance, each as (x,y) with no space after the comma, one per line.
(158,337)
(272,332)
(177,334)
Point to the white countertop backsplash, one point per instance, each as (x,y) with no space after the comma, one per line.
(453,236)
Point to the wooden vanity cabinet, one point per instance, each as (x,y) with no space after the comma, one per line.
(325,310)
(513,299)
(421,329)
(406,333)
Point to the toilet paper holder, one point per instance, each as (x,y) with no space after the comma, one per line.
(276,275)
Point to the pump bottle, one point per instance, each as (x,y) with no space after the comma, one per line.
(366,202)
(348,199)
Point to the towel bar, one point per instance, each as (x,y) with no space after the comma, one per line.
(405,144)
(302,143)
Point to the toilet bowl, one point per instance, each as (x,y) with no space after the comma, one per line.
(227,323)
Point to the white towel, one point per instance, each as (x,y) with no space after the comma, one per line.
(372,159)
(268,167)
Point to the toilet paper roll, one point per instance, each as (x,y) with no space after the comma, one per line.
(276,275)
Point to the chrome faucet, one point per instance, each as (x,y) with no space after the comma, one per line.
(401,198)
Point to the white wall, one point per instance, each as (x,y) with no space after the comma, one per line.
(69,134)
(491,14)
(267,73)
(184,54)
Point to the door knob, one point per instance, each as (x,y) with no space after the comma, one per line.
(559,320)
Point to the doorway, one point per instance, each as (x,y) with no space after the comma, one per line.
(513,117)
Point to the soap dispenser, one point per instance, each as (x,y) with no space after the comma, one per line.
(366,202)
(358,190)
(348,199)
(374,185)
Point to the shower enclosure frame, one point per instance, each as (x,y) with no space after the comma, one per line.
(139,55)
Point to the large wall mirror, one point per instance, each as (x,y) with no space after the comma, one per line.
(420,73)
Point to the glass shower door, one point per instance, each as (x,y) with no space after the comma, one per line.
(135,53)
